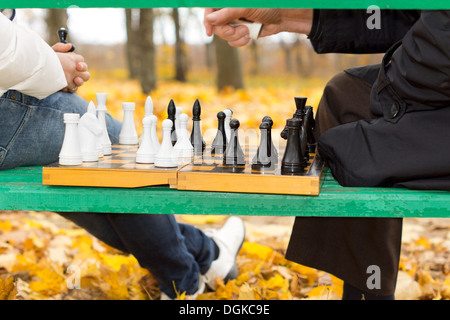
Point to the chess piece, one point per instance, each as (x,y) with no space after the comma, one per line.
(219,143)
(293,161)
(299,113)
(234,156)
(273,149)
(88,132)
(309,126)
(164,157)
(228,114)
(196,134)
(70,154)
(62,34)
(148,107)
(171,113)
(101,115)
(183,149)
(98,139)
(155,140)
(263,157)
(178,112)
(146,152)
(128,134)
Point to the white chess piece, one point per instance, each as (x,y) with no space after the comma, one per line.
(99,145)
(227,124)
(128,134)
(155,140)
(164,157)
(88,132)
(101,115)
(148,107)
(146,153)
(254,28)
(70,154)
(178,112)
(183,149)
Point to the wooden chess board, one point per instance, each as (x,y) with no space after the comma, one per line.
(208,173)
(205,173)
(116,170)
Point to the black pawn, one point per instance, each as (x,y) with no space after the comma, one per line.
(196,134)
(299,113)
(234,156)
(273,150)
(263,157)
(293,161)
(62,34)
(171,110)
(219,143)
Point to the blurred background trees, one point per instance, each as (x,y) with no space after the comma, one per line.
(148,61)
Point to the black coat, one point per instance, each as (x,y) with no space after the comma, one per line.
(409,144)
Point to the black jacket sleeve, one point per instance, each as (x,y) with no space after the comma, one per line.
(346,31)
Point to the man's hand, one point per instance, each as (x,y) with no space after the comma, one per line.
(75,69)
(217,21)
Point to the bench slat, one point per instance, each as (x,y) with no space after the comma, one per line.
(22,189)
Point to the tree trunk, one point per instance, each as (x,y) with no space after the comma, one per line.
(55,19)
(147,73)
(132,46)
(180,54)
(229,72)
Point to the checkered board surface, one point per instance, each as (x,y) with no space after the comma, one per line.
(208,173)
(116,170)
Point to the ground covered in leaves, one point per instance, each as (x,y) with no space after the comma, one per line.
(43,256)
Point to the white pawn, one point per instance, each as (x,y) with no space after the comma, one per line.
(155,140)
(146,153)
(164,157)
(183,149)
(70,154)
(99,145)
(227,124)
(88,132)
(101,115)
(128,134)
(148,107)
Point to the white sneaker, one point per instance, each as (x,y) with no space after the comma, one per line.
(200,290)
(229,240)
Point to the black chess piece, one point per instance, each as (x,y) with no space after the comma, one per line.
(171,111)
(263,157)
(219,143)
(233,155)
(196,134)
(293,161)
(273,149)
(62,34)
(300,103)
(309,126)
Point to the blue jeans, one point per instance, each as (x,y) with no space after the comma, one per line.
(32,132)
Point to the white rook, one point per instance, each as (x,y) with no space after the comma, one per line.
(70,154)
(128,134)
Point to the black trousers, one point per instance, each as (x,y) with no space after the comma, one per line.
(348,248)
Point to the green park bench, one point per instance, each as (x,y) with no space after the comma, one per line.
(22,188)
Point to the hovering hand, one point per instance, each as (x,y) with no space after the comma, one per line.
(74,66)
(217,21)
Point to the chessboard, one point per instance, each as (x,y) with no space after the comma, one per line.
(208,173)
(116,170)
